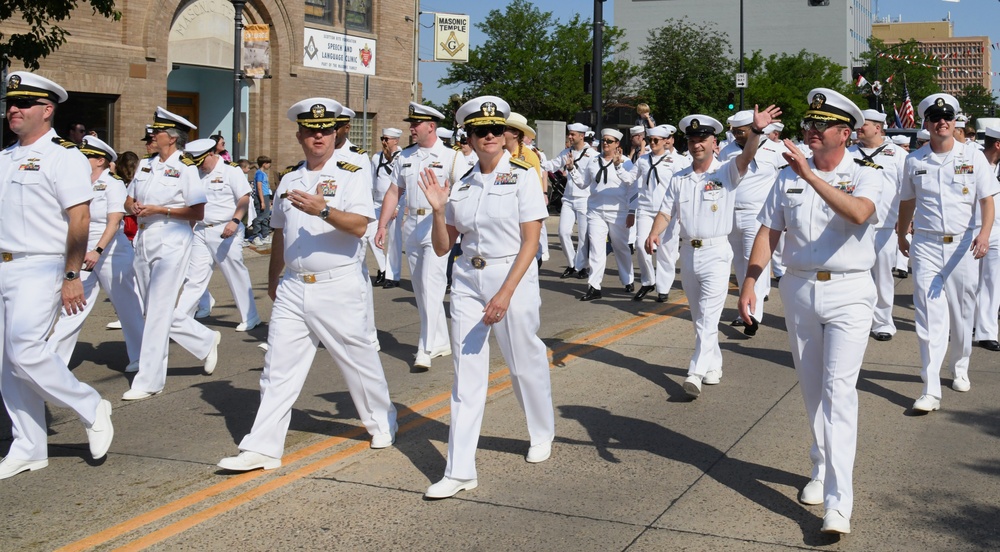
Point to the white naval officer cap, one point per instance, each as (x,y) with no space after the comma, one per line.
(935,105)
(901,140)
(991,132)
(25,85)
(95,147)
(833,107)
(520,122)
(612,133)
(315,113)
(483,111)
(390,132)
(578,127)
(199,150)
(346,114)
(741,118)
(923,134)
(420,113)
(700,125)
(661,131)
(636,130)
(874,115)
(163,119)
(444,133)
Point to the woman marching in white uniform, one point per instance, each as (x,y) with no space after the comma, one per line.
(108,262)
(498,208)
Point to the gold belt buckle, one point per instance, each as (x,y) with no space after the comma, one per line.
(947,239)
(823,276)
(309,278)
(421,212)
(8,257)
(478,263)
(696,243)
(142,226)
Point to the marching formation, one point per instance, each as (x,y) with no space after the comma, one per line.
(829,220)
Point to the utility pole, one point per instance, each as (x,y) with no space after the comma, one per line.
(597,62)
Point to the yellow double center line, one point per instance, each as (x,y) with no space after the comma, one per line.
(498,383)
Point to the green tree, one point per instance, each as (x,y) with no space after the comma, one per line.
(42,37)
(977,101)
(903,62)
(535,62)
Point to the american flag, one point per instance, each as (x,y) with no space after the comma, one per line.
(906,110)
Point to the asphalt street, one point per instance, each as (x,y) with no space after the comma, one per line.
(635,466)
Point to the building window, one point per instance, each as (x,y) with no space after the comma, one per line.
(357,132)
(354,15)
(358,15)
(319,11)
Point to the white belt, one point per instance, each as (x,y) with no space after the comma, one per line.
(313,277)
(698,243)
(8,257)
(420,211)
(826,275)
(162,222)
(943,238)
(480,263)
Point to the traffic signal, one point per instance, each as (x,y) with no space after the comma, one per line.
(731,101)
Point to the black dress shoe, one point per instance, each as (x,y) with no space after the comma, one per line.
(643,290)
(990,345)
(570,271)
(883,336)
(738,323)
(661,297)
(901,274)
(379,278)
(390,284)
(629,288)
(582,274)
(591,294)
(631,249)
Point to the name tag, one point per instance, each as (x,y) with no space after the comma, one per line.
(505,179)
(794,190)
(920,172)
(147,169)
(327,188)
(406,165)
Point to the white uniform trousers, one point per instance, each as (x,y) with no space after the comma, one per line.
(745,227)
(428,274)
(576,256)
(32,373)
(517,335)
(988,292)
(945,276)
(162,254)
(208,249)
(886,247)
(394,246)
(115,274)
(543,242)
(660,268)
(599,225)
(305,315)
(705,277)
(369,296)
(828,325)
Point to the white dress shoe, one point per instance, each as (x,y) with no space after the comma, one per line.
(132,367)
(116,325)
(263,347)
(137,395)
(448,487)
(247,461)
(713,377)
(834,522)
(383,440)
(539,453)
(692,386)
(423,360)
(249,324)
(101,432)
(10,467)
(443,351)
(213,356)
(205,313)
(927,403)
(812,493)
(961,384)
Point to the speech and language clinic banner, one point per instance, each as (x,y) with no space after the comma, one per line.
(338,52)
(451,37)
(257,51)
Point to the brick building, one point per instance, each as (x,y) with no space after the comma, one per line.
(964,60)
(179,54)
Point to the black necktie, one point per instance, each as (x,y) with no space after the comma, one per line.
(652,170)
(871,158)
(603,170)
(386,163)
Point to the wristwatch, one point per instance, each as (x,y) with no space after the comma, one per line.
(324,213)
(236,220)
(72,275)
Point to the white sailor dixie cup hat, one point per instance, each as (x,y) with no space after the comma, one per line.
(637,130)
(420,113)
(617,135)
(163,119)
(874,115)
(315,113)
(391,132)
(938,105)
(484,110)
(577,127)
(199,150)
(95,147)
(22,84)
(832,106)
(741,118)
(700,125)
(992,132)
(661,131)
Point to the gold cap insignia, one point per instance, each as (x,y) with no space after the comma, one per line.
(489,109)
(695,124)
(939,102)
(318,111)
(14,82)
(818,101)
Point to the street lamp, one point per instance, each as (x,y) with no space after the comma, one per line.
(237,76)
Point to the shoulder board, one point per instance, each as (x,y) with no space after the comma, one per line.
(865,163)
(411,146)
(468,172)
(519,163)
(231,164)
(286,170)
(188,161)
(64,143)
(356,149)
(348,166)
(116,177)
(457,147)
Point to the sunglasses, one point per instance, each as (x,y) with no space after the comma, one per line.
(23,103)
(609,141)
(484,131)
(312,131)
(657,140)
(938,118)
(818,126)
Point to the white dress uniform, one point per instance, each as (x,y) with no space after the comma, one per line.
(353,155)
(488,209)
(652,175)
(891,158)
(427,270)
(389,260)
(39,182)
(162,254)
(224,187)
(750,197)
(703,205)
(829,297)
(612,196)
(114,273)
(320,299)
(574,207)
(947,188)
(988,291)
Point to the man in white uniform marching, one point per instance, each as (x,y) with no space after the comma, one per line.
(321,211)
(44,188)
(988,293)
(389,259)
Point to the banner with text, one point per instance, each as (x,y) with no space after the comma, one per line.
(451,37)
(338,52)
(256,51)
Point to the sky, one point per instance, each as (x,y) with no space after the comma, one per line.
(970,18)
